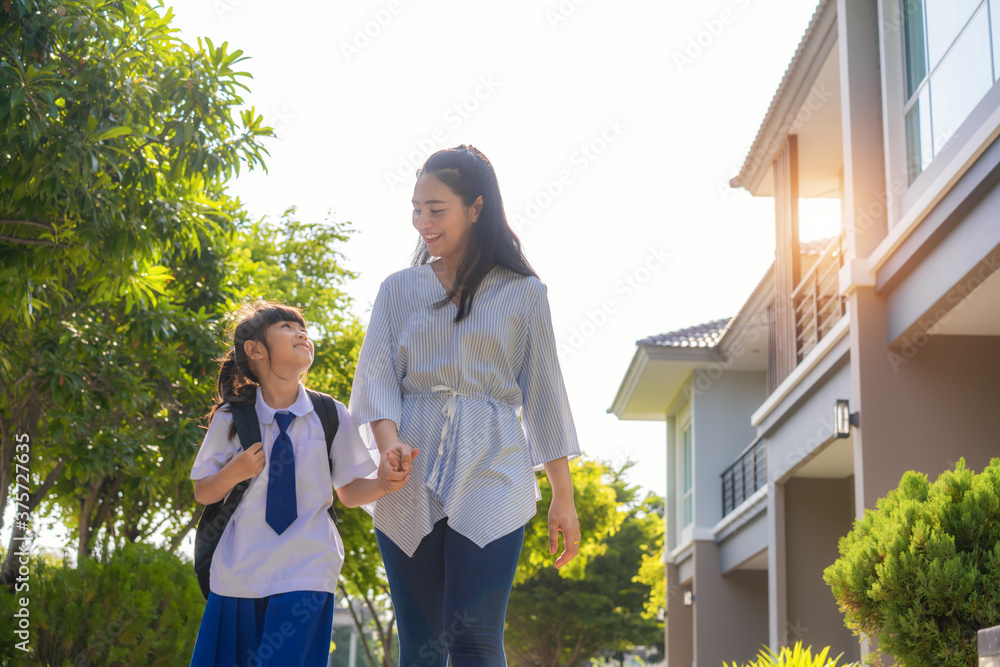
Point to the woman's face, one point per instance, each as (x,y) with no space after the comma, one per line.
(441,218)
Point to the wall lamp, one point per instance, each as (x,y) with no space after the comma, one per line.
(843,418)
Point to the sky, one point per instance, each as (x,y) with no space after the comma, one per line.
(613,127)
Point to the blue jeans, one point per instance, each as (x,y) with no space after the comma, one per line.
(450,598)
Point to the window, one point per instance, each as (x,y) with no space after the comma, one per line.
(952,54)
(686,487)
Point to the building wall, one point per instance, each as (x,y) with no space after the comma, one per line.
(721,409)
(818,512)
(963,250)
(730,611)
(679,624)
(802,429)
(924,414)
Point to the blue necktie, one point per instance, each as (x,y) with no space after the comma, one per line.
(281,506)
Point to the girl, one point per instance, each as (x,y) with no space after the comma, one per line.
(274,572)
(455,347)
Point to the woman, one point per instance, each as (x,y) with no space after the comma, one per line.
(453,348)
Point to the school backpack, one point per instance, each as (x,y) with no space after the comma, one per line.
(216,516)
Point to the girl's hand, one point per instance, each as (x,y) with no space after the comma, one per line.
(403,455)
(248,463)
(390,474)
(563,519)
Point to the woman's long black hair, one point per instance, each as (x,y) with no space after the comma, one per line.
(237,381)
(491,240)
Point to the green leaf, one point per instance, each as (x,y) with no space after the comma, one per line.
(115,132)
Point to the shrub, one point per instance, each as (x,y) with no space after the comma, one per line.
(141,607)
(921,572)
(793,657)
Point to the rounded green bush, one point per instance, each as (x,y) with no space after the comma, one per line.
(921,572)
(141,607)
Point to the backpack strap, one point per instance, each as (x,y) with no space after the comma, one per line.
(326,408)
(216,516)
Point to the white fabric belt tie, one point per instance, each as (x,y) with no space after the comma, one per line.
(448,411)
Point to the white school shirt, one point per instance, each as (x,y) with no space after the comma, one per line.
(456,392)
(253,561)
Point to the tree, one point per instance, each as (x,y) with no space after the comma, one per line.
(600,606)
(921,572)
(115,140)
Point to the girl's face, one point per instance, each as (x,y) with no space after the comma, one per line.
(441,218)
(289,351)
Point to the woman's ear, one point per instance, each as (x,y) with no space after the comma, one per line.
(477,208)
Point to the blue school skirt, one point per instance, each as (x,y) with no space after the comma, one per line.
(291,628)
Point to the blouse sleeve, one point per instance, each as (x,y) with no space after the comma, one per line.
(376,392)
(545,416)
(216,449)
(350,457)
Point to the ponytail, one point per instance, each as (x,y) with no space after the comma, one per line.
(237,381)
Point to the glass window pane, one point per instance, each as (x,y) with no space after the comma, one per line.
(687,510)
(916,62)
(945,19)
(995,18)
(961,80)
(687,459)
(919,150)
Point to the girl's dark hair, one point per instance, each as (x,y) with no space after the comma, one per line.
(491,240)
(237,381)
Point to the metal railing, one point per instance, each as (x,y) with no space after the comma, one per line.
(747,474)
(817,299)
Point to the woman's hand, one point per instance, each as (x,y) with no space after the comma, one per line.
(563,519)
(391,477)
(387,439)
(562,511)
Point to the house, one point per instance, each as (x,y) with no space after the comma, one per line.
(856,358)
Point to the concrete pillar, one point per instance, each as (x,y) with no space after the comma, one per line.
(864,205)
(679,624)
(989,647)
(730,611)
(818,513)
(777,599)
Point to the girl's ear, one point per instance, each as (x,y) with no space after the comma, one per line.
(254,350)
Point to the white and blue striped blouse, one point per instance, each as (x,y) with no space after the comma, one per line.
(456,391)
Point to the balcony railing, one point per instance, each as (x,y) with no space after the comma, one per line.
(817,299)
(747,474)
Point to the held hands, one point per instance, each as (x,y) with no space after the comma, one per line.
(563,519)
(248,463)
(394,467)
